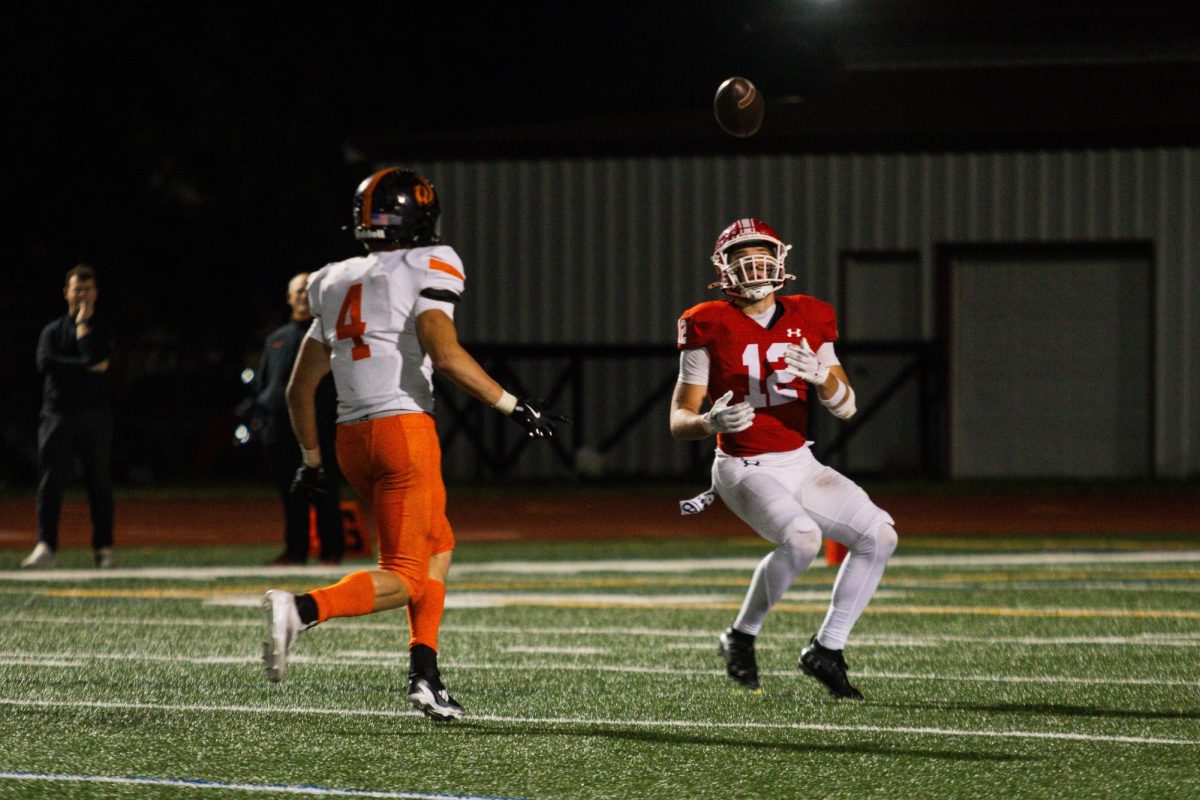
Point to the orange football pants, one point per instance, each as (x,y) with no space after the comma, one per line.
(396,464)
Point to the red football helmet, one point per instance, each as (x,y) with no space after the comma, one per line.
(752,277)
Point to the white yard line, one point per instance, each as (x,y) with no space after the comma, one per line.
(399,658)
(878,640)
(551,651)
(260,788)
(608,722)
(671,565)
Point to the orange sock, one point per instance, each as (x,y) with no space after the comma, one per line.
(425,615)
(352,596)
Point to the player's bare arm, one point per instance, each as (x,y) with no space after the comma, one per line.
(439,337)
(686,420)
(312,364)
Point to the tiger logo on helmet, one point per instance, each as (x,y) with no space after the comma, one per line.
(397,206)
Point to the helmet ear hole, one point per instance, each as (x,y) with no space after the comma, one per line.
(397,207)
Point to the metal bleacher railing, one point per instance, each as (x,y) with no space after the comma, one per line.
(498,447)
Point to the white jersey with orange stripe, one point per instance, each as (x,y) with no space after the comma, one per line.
(366,311)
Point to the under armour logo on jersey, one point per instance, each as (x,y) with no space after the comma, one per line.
(748,463)
(794,332)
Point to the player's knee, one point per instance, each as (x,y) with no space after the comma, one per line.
(885,539)
(800,545)
(416,588)
(414,580)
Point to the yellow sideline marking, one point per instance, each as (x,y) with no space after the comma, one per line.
(1001,611)
(824,579)
(1053,575)
(808,608)
(601,583)
(1066,542)
(148,594)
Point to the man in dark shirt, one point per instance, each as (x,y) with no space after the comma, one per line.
(76,419)
(279,442)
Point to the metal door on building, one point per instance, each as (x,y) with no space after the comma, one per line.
(1050,359)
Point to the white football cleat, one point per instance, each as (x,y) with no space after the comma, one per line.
(283,626)
(42,557)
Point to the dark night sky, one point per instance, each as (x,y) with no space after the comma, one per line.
(196,155)
(186,148)
(190,146)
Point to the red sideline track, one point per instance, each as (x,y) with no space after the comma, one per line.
(608,514)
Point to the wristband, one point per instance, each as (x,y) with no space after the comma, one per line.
(837,397)
(505,404)
(844,408)
(311,458)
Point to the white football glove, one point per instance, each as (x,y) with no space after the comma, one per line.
(725,418)
(802,362)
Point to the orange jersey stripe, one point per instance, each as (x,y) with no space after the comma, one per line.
(442,266)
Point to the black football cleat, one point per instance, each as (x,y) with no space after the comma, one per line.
(740,663)
(430,697)
(829,668)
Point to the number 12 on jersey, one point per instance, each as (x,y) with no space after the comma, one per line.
(775,395)
(350,323)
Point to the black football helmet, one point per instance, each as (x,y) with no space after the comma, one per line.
(397,206)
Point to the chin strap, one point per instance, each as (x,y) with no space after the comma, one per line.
(721,285)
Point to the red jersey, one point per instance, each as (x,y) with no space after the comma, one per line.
(748,358)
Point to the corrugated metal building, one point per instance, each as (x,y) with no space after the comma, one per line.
(1017,264)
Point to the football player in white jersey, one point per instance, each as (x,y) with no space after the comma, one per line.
(383,322)
(760,358)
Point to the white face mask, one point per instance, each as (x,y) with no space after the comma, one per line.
(753,276)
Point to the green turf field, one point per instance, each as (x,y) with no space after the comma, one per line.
(992,668)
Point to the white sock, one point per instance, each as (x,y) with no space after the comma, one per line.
(856,584)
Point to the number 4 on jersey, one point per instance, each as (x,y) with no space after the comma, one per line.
(350,323)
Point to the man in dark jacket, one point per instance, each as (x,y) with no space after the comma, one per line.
(73,356)
(280,445)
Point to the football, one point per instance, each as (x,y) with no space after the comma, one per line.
(738,107)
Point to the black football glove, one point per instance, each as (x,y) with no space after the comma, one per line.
(310,482)
(535,419)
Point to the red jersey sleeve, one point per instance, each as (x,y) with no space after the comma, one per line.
(826,320)
(695,328)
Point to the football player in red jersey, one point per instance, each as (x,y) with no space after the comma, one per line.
(758,357)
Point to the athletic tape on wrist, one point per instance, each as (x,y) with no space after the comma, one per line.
(844,409)
(311,458)
(505,404)
(837,396)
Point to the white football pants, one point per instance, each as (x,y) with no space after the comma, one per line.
(792,500)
